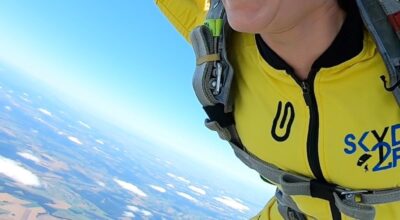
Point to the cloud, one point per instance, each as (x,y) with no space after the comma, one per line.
(84,124)
(197,190)
(25,99)
(16,172)
(8,108)
(75,140)
(146,213)
(128,214)
(46,112)
(100,183)
(182,179)
(186,196)
(158,188)
(39,119)
(29,156)
(130,187)
(171,175)
(232,203)
(100,142)
(133,208)
(170,185)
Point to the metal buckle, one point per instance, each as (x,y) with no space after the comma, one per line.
(215,83)
(351,194)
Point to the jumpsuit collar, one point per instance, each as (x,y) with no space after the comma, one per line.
(346,45)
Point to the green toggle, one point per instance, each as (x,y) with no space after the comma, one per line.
(215,26)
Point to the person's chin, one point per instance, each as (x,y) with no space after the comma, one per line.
(242,26)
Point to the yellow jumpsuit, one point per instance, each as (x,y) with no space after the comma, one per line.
(343,125)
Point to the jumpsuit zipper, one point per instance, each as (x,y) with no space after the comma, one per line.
(313,127)
(313,134)
(312,138)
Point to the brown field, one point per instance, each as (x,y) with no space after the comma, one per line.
(60,205)
(16,210)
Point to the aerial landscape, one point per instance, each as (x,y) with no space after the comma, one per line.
(56,163)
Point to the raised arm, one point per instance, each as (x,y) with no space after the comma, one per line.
(185,15)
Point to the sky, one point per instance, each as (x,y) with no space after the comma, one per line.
(121,60)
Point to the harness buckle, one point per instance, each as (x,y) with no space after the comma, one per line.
(352,192)
(352,195)
(216,83)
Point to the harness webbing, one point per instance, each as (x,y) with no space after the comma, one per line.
(212,84)
(381,18)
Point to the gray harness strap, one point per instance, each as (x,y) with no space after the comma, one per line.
(212,83)
(375,14)
(354,203)
(212,79)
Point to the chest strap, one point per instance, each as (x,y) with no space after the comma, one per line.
(212,83)
(353,203)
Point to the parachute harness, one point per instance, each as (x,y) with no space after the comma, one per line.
(212,83)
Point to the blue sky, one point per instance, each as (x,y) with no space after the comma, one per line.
(121,60)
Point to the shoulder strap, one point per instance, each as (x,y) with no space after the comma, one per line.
(213,76)
(382,19)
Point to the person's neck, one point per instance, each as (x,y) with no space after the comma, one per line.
(303,43)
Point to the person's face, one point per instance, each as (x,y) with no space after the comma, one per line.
(274,16)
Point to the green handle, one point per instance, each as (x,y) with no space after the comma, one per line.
(215,26)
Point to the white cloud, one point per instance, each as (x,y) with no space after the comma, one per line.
(100,142)
(100,183)
(239,200)
(25,94)
(25,99)
(75,140)
(182,179)
(171,185)
(146,213)
(232,203)
(46,112)
(158,188)
(186,196)
(8,108)
(197,190)
(29,156)
(128,214)
(84,124)
(39,119)
(16,172)
(171,175)
(130,187)
(133,208)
